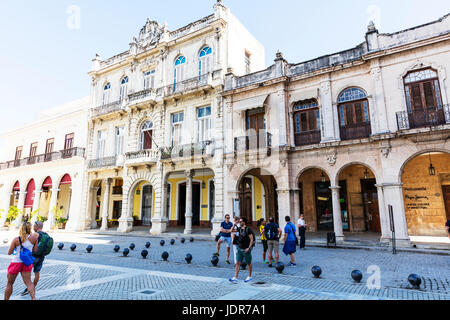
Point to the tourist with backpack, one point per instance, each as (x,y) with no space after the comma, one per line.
(44,247)
(290,241)
(21,249)
(273,233)
(246,241)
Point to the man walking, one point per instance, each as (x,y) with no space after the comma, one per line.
(302,231)
(273,233)
(225,236)
(39,260)
(246,239)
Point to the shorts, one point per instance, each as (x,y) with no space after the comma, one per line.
(38,262)
(227,240)
(241,255)
(18,267)
(265,247)
(273,245)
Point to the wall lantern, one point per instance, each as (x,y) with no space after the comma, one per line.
(323,178)
(431,169)
(366,174)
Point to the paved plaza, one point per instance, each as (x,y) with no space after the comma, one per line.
(106,275)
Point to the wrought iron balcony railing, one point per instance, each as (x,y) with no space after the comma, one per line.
(102,162)
(261,140)
(188,150)
(147,94)
(107,108)
(307,138)
(356,131)
(47,157)
(427,117)
(186,85)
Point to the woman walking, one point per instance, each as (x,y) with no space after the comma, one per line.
(289,240)
(17,265)
(261,226)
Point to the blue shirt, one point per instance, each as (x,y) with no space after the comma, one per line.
(226,226)
(289,229)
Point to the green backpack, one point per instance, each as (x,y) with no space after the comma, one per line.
(45,245)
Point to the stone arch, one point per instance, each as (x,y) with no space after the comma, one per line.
(346,86)
(297,178)
(343,167)
(246,172)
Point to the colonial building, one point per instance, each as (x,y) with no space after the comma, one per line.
(155,139)
(345,137)
(42,166)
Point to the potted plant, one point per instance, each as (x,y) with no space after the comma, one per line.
(34,216)
(41,218)
(60,218)
(13,213)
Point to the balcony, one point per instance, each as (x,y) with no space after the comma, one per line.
(429,117)
(142,96)
(102,162)
(117,190)
(356,131)
(42,158)
(183,87)
(141,157)
(107,109)
(188,150)
(260,141)
(307,138)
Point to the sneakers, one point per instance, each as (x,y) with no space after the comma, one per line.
(248,279)
(233,280)
(290,264)
(216,254)
(266,262)
(270,265)
(227,262)
(24,293)
(273,261)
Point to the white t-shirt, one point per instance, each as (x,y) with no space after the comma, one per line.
(301,222)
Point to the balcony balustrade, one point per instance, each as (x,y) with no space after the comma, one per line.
(262,140)
(428,117)
(186,85)
(200,149)
(356,131)
(144,95)
(307,138)
(107,109)
(102,162)
(141,157)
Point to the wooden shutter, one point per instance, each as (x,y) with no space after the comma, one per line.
(428,90)
(416,97)
(148,140)
(349,114)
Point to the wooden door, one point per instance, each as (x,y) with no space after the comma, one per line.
(446,193)
(147,205)
(245,201)
(256,127)
(371,207)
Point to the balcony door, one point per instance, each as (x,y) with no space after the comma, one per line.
(146,135)
(256,128)
(353,112)
(306,123)
(49,149)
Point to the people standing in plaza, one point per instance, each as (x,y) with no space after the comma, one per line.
(246,239)
(289,241)
(225,236)
(234,237)
(17,265)
(261,225)
(302,231)
(39,259)
(273,233)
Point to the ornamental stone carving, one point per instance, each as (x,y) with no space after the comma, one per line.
(150,34)
(376,73)
(325,87)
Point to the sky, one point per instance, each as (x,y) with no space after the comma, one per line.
(47,47)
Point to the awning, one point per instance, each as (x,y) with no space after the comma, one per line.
(17,186)
(66,180)
(29,199)
(302,95)
(250,103)
(47,182)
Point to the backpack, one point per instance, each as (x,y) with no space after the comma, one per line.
(244,239)
(272,233)
(45,245)
(25,255)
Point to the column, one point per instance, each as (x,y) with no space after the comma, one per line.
(36,204)
(126,216)
(105,211)
(160,219)
(6,198)
(296,208)
(284,208)
(393,195)
(90,222)
(49,224)
(188,214)
(337,216)
(384,218)
(20,206)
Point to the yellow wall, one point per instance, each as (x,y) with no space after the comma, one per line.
(137,201)
(64,198)
(258,189)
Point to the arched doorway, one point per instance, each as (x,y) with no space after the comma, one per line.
(426,193)
(359,199)
(44,203)
(316,199)
(14,200)
(258,196)
(29,198)
(142,203)
(64,196)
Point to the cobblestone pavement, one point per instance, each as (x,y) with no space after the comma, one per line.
(106,275)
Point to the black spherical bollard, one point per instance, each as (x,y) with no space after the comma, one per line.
(415,280)
(5,241)
(191,239)
(215,261)
(116,248)
(172,242)
(144,254)
(73,247)
(89,248)
(165,255)
(162,242)
(132,246)
(60,246)
(243,265)
(147,245)
(357,276)
(188,258)
(126,251)
(183,240)
(280,267)
(316,271)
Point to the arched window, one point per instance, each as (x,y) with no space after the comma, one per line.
(106,93)
(306,122)
(423,98)
(179,75)
(353,108)
(123,89)
(146,135)
(204,64)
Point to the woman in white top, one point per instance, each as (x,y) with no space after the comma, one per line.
(17,266)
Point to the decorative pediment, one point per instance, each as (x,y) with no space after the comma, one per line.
(150,34)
